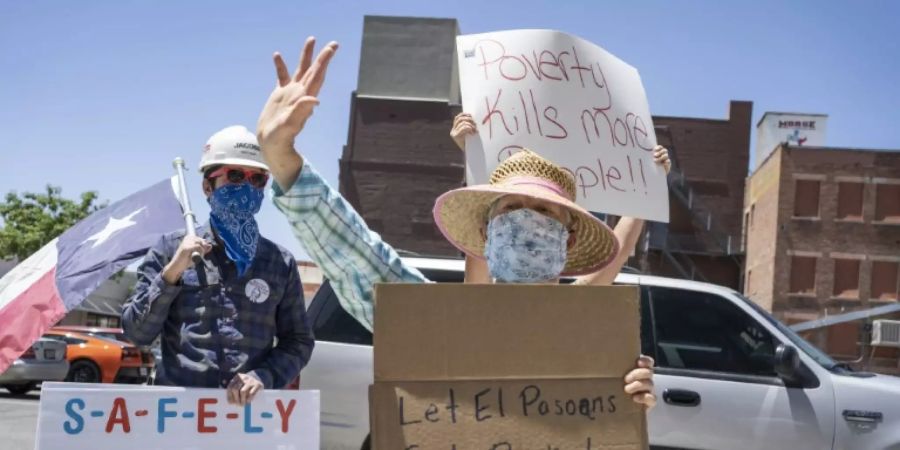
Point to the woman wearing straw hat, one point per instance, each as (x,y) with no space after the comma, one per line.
(525,215)
(589,244)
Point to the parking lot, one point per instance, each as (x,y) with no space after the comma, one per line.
(18,420)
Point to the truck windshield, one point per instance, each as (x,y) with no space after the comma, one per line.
(813,352)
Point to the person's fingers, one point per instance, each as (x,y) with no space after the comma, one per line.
(639,374)
(256,388)
(304,107)
(231,394)
(195,244)
(645,398)
(639,386)
(245,393)
(307,101)
(463,129)
(462,118)
(316,74)
(645,362)
(305,58)
(323,58)
(281,70)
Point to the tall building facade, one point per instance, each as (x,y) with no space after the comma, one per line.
(822,239)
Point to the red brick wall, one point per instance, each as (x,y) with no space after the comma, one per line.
(714,156)
(827,237)
(399,158)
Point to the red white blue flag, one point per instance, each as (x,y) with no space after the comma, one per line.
(39,291)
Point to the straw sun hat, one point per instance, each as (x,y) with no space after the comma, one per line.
(461,214)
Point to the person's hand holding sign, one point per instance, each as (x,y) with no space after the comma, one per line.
(639,383)
(661,157)
(242,388)
(289,106)
(463,125)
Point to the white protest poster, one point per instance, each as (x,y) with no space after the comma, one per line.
(113,417)
(573,103)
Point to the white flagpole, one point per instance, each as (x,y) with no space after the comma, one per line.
(190,221)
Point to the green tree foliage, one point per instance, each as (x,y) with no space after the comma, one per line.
(31,220)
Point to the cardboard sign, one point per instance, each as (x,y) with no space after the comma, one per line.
(570,101)
(115,417)
(505,367)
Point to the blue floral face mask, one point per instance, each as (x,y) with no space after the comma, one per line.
(525,246)
(233,207)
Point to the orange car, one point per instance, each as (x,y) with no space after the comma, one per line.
(94,358)
(111,333)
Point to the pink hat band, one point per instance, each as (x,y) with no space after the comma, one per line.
(536,181)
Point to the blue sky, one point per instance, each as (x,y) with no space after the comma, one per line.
(103,95)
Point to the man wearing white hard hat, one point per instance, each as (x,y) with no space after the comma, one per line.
(219,319)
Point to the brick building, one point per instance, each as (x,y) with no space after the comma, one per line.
(706,197)
(823,238)
(399,157)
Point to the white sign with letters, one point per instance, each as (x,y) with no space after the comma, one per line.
(115,417)
(573,103)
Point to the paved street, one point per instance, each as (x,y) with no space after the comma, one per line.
(18,420)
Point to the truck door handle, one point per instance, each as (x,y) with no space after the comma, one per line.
(681,397)
(862,416)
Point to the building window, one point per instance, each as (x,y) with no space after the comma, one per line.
(850,201)
(846,278)
(803,275)
(884,280)
(98,320)
(843,339)
(806,198)
(887,202)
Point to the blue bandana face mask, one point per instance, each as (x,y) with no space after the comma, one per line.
(525,246)
(233,207)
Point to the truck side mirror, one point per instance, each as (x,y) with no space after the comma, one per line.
(787,361)
(791,371)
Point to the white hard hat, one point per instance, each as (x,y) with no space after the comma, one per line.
(234,145)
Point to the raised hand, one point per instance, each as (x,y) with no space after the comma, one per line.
(289,107)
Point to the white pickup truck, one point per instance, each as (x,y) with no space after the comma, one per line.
(729,375)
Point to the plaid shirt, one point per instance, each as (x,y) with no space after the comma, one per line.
(215,324)
(338,240)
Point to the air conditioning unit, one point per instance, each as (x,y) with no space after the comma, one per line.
(886,333)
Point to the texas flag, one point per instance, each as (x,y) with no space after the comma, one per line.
(39,291)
